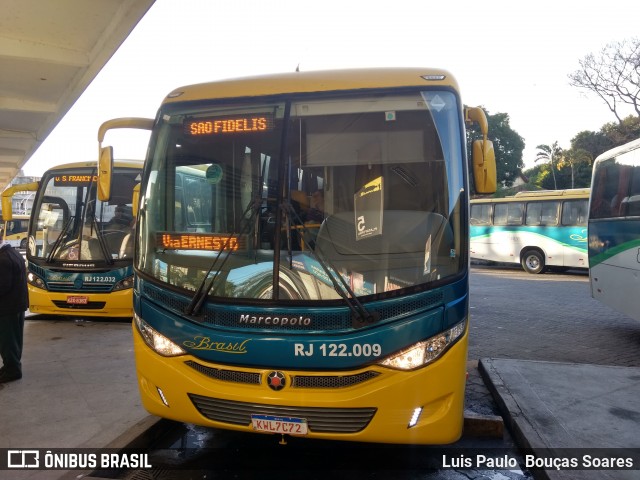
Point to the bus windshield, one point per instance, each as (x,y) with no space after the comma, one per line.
(298,198)
(71,225)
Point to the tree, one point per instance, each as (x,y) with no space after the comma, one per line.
(574,169)
(508,146)
(591,144)
(552,155)
(611,135)
(613,75)
(539,177)
(620,133)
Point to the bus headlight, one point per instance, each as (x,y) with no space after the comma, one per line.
(156,341)
(36,281)
(425,352)
(124,284)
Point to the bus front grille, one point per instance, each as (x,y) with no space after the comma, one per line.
(75,306)
(331,381)
(297,381)
(320,420)
(252,378)
(71,287)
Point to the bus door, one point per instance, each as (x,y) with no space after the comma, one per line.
(574,231)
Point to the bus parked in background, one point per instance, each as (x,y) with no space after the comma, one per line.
(80,250)
(614,229)
(301,260)
(14,231)
(536,229)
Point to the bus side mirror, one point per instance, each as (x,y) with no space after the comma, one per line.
(484,166)
(105,167)
(483,157)
(135,201)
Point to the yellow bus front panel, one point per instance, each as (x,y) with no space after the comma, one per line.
(114,304)
(423,406)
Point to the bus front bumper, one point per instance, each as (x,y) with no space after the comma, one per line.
(114,304)
(382,408)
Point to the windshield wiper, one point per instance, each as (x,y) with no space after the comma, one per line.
(360,316)
(203,290)
(58,242)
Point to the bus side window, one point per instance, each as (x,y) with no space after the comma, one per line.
(630,205)
(534,212)
(621,192)
(508,214)
(549,214)
(542,213)
(605,190)
(516,211)
(500,214)
(574,212)
(481,214)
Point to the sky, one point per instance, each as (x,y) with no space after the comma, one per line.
(508,56)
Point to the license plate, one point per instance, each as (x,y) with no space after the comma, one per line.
(77,300)
(272,424)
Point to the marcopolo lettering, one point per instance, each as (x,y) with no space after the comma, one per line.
(275,320)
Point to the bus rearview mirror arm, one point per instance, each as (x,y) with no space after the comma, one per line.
(105,154)
(7,195)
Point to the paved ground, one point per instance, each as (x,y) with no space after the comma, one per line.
(548,317)
(571,412)
(78,390)
(562,368)
(76,375)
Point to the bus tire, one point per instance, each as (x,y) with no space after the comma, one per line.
(533,261)
(23,243)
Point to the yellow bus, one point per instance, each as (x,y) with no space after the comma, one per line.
(301,260)
(80,249)
(14,231)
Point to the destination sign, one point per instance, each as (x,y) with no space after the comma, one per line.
(73,179)
(236,124)
(200,241)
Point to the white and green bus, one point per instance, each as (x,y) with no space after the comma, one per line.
(537,229)
(614,229)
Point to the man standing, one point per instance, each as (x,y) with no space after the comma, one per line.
(14,301)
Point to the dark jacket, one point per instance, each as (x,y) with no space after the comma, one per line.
(14,297)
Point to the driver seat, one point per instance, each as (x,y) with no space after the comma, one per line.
(126,247)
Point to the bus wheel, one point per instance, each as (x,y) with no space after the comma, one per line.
(23,243)
(533,261)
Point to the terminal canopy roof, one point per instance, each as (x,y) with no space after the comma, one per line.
(49,53)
